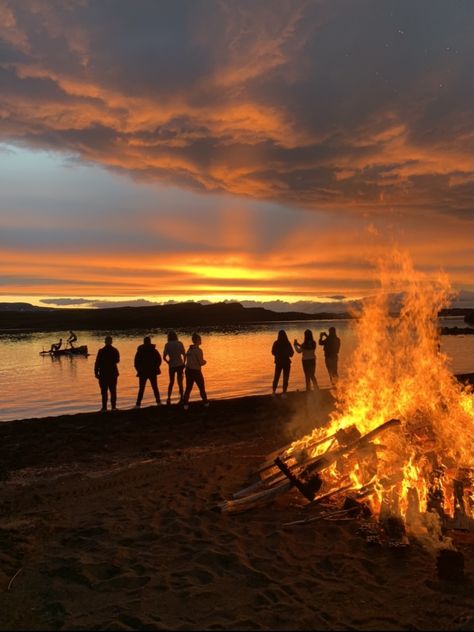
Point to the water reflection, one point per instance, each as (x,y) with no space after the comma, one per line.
(239,362)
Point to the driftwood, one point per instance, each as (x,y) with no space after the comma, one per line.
(252,501)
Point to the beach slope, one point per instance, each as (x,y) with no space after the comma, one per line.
(111,521)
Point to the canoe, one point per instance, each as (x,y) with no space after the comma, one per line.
(68,351)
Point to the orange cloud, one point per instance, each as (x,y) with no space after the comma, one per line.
(303,104)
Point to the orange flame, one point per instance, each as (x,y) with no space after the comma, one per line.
(397,371)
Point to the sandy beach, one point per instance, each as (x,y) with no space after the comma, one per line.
(111,521)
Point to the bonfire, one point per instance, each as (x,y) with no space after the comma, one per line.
(399,444)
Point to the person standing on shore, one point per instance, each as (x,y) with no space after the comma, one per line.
(106,371)
(308,351)
(194,363)
(174,355)
(282,352)
(147,364)
(331,344)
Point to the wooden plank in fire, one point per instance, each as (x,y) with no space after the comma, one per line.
(320,463)
(275,478)
(315,465)
(270,462)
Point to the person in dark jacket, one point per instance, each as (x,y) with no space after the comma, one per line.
(331,344)
(106,371)
(147,364)
(282,351)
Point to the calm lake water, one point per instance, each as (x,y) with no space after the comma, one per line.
(239,362)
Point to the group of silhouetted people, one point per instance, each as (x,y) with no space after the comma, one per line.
(187,365)
(282,351)
(147,364)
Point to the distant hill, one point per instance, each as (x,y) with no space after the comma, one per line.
(187,314)
(27,317)
(21,307)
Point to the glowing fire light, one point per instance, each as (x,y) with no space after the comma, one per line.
(398,371)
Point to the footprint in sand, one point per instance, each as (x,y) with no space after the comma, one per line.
(55,613)
(124,582)
(101,572)
(203,576)
(69,569)
(130,622)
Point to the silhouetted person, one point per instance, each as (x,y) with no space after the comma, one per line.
(106,371)
(56,346)
(308,351)
(174,354)
(147,364)
(282,351)
(194,362)
(72,338)
(331,344)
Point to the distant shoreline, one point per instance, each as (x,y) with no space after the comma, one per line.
(179,316)
(161,316)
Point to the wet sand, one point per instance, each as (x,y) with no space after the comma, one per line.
(110,521)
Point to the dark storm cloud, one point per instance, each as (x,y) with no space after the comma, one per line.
(331,104)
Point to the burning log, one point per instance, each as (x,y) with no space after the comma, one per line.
(356,507)
(292,461)
(297,455)
(322,462)
(307,488)
(328,495)
(308,470)
(460,520)
(345,436)
(435,493)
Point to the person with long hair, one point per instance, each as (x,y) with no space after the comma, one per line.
(308,357)
(174,354)
(194,363)
(282,351)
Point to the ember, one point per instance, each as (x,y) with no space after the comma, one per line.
(401,436)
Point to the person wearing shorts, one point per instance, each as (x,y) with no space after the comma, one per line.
(174,355)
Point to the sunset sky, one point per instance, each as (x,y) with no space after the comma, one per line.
(253,150)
